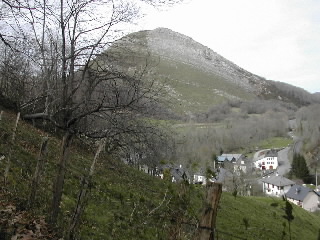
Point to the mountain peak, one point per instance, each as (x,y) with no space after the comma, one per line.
(196,76)
(178,47)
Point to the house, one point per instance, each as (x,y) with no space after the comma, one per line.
(241,165)
(199,177)
(276,185)
(177,173)
(269,160)
(304,197)
(232,158)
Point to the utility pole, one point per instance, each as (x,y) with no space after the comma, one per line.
(317,159)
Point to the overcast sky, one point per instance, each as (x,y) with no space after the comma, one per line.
(275,39)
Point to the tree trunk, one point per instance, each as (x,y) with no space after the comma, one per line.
(1,113)
(83,193)
(38,171)
(11,143)
(208,220)
(59,182)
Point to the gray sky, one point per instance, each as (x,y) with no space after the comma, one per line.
(275,39)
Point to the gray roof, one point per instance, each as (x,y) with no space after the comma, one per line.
(271,153)
(179,174)
(298,192)
(229,157)
(278,180)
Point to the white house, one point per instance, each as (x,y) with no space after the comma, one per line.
(303,197)
(276,185)
(269,160)
(199,178)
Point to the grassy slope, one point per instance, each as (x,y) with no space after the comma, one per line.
(198,90)
(122,197)
(195,90)
(265,221)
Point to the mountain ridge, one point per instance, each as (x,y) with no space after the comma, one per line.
(160,38)
(198,76)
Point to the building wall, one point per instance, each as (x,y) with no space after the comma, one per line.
(296,202)
(238,168)
(267,163)
(199,178)
(274,190)
(310,202)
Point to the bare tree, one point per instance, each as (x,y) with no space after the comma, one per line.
(75,91)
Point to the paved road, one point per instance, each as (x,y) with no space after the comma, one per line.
(284,164)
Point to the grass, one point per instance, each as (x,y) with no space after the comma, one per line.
(193,89)
(265,218)
(275,142)
(197,90)
(122,198)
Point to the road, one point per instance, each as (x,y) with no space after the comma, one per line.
(284,164)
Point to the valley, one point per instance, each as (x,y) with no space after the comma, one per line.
(119,138)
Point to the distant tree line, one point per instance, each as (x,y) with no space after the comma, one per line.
(195,144)
(296,95)
(237,109)
(308,131)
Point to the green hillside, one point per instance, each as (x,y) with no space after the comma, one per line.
(265,219)
(125,203)
(195,76)
(197,90)
(191,87)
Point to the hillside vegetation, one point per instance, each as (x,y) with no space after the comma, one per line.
(196,77)
(125,203)
(94,111)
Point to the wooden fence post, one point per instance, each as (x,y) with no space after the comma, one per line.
(11,143)
(38,171)
(207,225)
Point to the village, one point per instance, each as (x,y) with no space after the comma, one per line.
(265,171)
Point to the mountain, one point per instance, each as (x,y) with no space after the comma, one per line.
(195,76)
